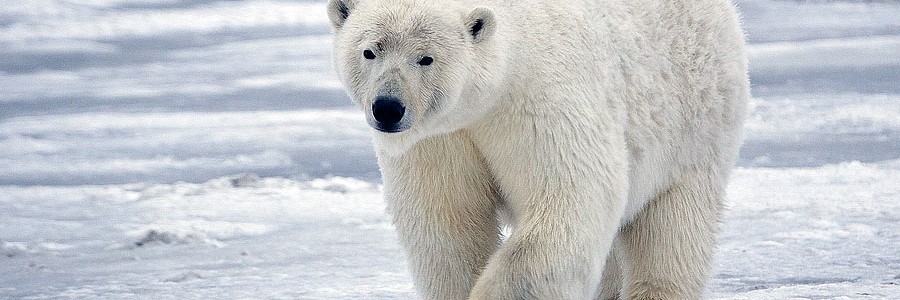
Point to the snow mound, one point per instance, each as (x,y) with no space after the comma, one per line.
(157,237)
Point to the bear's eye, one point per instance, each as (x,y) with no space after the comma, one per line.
(368,54)
(427,60)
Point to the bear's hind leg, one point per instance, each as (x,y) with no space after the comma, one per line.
(669,245)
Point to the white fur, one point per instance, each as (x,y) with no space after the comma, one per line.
(605,130)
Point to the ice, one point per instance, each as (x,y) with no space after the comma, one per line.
(795,229)
(126,147)
(157,149)
(102,21)
(204,237)
(787,232)
(815,129)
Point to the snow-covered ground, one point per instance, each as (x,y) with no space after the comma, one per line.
(204,149)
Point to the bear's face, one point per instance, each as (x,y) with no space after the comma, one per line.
(413,68)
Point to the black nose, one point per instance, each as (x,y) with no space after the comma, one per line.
(388,110)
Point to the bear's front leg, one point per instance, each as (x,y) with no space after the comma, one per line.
(566,190)
(443,203)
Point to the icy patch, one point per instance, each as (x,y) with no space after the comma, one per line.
(202,240)
(792,116)
(774,20)
(13,249)
(291,63)
(858,52)
(811,233)
(61,20)
(341,185)
(820,129)
(840,290)
(46,46)
(111,147)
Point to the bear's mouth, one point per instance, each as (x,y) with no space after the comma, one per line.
(389,129)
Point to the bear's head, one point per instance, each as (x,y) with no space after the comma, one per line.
(416,68)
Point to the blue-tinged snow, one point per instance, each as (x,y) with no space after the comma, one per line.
(161,149)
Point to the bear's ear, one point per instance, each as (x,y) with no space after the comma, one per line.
(338,11)
(481,24)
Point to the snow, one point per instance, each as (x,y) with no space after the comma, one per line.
(204,149)
(227,237)
(108,147)
(828,232)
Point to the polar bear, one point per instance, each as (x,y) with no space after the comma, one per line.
(601,132)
